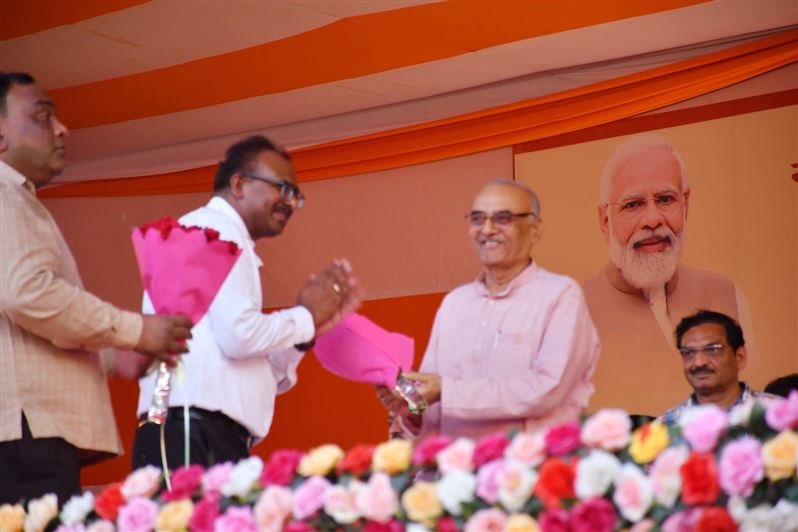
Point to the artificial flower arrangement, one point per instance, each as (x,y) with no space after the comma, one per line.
(717,471)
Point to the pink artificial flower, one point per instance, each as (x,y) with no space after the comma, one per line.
(555,520)
(703,425)
(391,526)
(185,481)
(486,520)
(593,515)
(424,454)
(205,513)
(666,480)
(646,525)
(78,527)
(633,493)
(488,481)
(490,448)
(143,482)
(309,497)
(682,521)
(216,477)
(563,438)
(609,429)
(376,500)
(527,448)
(138,515)
(236,519)
(280,468)
(741,466)
(456,457)
(782,414)
(273,508)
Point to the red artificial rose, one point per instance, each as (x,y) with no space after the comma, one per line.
(490,448)
(205,513)
(562,439)
(357,461)
(715,519)
(555,482)
(700,479)
(185,481)
(298,526)
(427,450)
(107,503)
(280,468)
(593,515)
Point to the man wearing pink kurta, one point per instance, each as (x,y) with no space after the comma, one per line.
(516,348)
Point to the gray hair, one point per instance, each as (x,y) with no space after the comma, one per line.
(533,198)
(630,147)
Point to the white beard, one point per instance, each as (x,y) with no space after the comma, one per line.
(647,271)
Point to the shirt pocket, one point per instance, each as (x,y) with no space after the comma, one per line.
(510,355)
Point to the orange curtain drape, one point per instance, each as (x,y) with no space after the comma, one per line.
(533,119)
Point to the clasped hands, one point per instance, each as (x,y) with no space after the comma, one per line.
(331,295)
(427,384)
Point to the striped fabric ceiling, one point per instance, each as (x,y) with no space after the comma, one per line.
(150,87)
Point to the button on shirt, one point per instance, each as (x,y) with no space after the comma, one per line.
(239,359)
(520,359)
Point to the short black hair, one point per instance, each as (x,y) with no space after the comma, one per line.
(8,80)
(734,333)
(239,157)
(783,385)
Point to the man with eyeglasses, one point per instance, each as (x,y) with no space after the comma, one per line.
(241,358)
(513,349)
(644,290)
(712,348)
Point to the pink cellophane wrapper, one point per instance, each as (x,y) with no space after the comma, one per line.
(360,350)
(183,272)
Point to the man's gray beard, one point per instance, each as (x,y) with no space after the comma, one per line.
(647,271)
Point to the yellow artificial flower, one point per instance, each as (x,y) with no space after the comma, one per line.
(174,517)
(521,523)
(648,441)
(393,456)
(779,455)
(12,518)
(320,461)
(421,503)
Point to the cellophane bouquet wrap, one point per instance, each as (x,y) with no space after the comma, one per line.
(182,269)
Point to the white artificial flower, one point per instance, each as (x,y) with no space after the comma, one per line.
(666,480)
(340,504)
(633,495)
(737,508)
(242,477)
(77,508)
(516,483)
(595,474)
(416,527)
(40,512)
(756,519)
(456,488)
(784,516)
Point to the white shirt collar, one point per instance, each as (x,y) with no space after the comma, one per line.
(9,173)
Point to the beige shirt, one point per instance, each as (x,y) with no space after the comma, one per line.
(50,330)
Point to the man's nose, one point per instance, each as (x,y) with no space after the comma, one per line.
(59,128)
(651,216)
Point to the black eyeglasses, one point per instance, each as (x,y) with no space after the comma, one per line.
(478,218)
(288,190)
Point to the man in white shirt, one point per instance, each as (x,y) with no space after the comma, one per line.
(240,358)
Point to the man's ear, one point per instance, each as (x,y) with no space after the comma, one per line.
(537,232)
(604,221)
(742,358)
(237,186)
(686,202)
(3,143)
